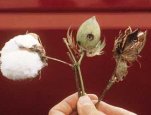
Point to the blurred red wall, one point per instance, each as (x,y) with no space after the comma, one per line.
(50,20)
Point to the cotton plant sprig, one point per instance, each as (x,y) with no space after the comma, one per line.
(87,43)
(23,57)
(127,47)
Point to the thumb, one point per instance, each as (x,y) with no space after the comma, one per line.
(86,107)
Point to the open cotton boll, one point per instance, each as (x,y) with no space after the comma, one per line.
(27,41)
(21,65)
(18,62)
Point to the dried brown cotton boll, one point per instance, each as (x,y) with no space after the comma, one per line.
(22,57)
(127,48)
(88,37)
(121,70)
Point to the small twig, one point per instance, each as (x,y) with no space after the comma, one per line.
(81,57)
(65,41)
(58,60)
(70,57)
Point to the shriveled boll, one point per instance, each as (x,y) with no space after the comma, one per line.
(121,70)
(18,63)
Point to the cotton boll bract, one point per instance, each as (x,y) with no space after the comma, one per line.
(22,57)
(88,37)
(88,34)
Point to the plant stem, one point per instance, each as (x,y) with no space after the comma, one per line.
(81,57)
(72,56)
(77,81)
(81,81)
(58,60)
(77,70)
(109,85)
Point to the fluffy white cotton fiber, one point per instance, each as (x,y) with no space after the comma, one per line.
(18,63)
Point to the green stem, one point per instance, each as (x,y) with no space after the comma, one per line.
(77,69)
(81,81)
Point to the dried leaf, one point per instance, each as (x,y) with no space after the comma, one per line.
(71,42)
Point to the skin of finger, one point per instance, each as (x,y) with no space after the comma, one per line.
(85,106)
(110,109)
(68,105)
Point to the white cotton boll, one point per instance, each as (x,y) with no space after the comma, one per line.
(21,65)
(17,63)
(26,41)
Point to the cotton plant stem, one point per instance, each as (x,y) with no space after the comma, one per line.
(80,75)
(81,57)
(77,70)
(76,75)
(72,56)
(73,60)
(82,93)
(58,60)
(108,87)
(77,81)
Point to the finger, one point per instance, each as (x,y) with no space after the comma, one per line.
(93,96)
(85,106)
(110,109)
(68,105)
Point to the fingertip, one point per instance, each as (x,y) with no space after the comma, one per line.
(84,100)
(93,96)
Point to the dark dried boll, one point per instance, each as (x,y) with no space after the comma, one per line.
(121,71)
(127,48)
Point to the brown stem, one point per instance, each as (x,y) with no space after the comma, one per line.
(77,81)
(82,93)
(77,70)
(108,87)
(58,60)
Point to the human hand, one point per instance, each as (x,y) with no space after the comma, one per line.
(68,106)
(85,106)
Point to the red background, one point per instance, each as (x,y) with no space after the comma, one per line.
(50,20)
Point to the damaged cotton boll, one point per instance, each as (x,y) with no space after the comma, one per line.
(127,48)
(88,37)
(21,57)
(121,70)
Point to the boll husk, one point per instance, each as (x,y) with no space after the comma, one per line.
(20,57)
(127,48)
(88,37)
